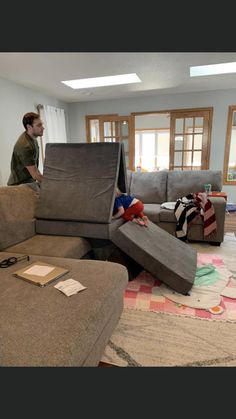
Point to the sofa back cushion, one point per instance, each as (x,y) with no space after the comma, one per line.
(182,183)
(17,208)
(129,177)
(79,181)
(150,187)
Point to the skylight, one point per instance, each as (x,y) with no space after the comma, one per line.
(103,81)
(207,70)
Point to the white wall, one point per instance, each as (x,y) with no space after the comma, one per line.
(219,100)
(15,101)
(152,121)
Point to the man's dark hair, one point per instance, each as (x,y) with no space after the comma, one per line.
(29,118)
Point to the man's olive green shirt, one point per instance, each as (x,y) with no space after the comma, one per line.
(25,153)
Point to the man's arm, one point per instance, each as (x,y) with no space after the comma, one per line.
(119,213)
(35,173)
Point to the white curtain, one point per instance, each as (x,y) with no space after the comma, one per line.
(55,128)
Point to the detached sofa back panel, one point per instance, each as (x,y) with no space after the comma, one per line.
(79,181)
(181,183)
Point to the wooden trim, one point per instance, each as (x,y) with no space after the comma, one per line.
(88,118)
(152,129)
(231,109)
(205,145)
(172,110)
(87,122)
(99,115)
(113,118)
(132,143)
(172,143)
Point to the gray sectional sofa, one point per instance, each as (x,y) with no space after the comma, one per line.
(41,326)
(155,188)
(18,231)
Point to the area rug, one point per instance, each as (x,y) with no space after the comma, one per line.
(167,338)
(214,302)
(157,339)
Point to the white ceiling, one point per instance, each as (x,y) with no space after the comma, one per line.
(161,73)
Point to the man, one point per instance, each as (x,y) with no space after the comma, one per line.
(25,156)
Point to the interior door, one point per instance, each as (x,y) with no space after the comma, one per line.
(119,129)
(190,140)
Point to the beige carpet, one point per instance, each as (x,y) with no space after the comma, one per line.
(156,339)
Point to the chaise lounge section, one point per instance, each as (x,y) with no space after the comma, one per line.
(41,326)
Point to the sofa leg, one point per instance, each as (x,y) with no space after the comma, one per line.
(215,243)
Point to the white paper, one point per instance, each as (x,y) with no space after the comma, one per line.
(69,287)
(39,270)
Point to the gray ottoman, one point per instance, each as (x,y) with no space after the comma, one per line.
(43,327)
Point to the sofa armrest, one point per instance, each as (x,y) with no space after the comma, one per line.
(219,204)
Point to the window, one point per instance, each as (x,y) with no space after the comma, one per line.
(152,149)
(230,148)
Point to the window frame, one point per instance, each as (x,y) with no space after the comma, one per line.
(231,110)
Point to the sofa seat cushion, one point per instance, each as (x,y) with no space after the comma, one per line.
(152,211)
(40,326)
(150,187)
(168,216)
(58,246)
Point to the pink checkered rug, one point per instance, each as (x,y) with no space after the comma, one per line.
(140,294)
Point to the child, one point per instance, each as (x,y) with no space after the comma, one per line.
(129,208)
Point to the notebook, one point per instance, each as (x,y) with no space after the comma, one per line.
(40,273)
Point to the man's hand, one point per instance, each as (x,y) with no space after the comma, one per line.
(35,173)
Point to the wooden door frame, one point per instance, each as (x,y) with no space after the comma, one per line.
(207,114)
(113,118)
(88,118)
(231,110)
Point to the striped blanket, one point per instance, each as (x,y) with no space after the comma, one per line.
(193,206)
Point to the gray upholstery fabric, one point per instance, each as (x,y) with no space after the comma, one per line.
(181,183)
(96,351)
(129,177)
(46,328)
(17,208)
(195,230)
(152,211)
(58,246)
(75,228)
(79,181)
(164,256)
(149,187)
